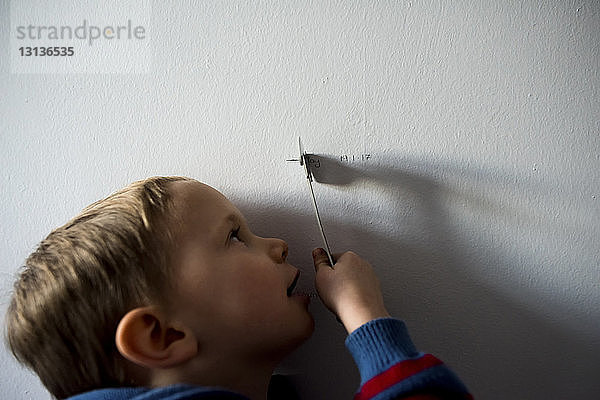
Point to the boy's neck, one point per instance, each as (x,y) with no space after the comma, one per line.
(249,379)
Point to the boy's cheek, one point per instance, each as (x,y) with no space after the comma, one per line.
(255,286)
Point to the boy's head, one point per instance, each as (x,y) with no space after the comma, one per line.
(151,285)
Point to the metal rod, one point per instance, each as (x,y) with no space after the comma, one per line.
(327,249)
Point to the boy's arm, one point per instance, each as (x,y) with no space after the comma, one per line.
(390,366)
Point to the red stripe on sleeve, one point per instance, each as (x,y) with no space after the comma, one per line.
(395,374)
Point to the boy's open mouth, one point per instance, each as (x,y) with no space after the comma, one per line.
(290,289)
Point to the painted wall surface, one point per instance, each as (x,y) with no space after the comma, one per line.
(478,202)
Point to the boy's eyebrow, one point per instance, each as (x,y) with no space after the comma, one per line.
(232,218)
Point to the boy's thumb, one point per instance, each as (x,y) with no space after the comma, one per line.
(320,258)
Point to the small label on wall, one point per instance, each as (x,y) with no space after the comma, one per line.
(316,161)
(351,158)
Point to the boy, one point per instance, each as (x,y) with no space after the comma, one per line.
(161,291)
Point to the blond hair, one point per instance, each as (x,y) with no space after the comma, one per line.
(82,279)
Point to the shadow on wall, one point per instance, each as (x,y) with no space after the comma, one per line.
(500,348)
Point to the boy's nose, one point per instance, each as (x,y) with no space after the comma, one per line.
(278,250)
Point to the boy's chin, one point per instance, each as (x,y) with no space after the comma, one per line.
(310,327)
(309,322)
(287,358)
(303,333)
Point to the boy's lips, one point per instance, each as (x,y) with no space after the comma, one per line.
(290,288)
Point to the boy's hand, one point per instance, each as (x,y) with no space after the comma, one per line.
(350,290)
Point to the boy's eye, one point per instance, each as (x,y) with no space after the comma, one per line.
(234,235)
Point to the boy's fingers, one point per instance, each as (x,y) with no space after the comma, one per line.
(320,258)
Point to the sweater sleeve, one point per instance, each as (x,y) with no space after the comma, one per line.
(391,367)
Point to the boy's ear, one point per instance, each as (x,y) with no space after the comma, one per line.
(145,337)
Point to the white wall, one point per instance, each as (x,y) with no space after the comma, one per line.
(478,206)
